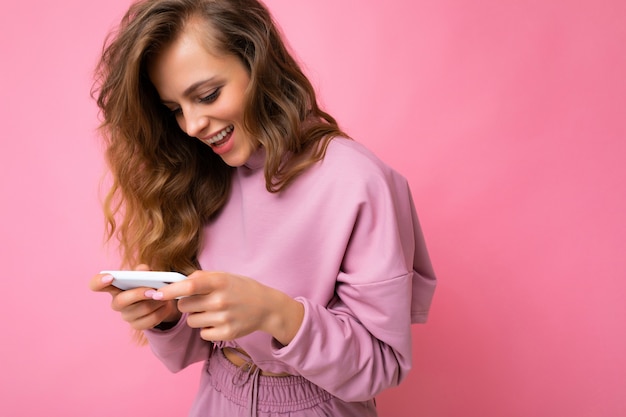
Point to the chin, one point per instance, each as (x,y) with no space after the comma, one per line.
(235,160)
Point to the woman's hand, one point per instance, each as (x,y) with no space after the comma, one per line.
(137,306)
(226,306)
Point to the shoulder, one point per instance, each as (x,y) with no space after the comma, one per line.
(351,153)
(348,175)
(354,162)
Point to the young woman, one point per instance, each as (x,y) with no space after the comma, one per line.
(305,260)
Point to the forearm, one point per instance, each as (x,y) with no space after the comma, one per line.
(339,354)
(284,318)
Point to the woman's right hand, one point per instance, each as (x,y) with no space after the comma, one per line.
(136,306)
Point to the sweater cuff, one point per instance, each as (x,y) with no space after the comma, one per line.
(163,328)
(280,351)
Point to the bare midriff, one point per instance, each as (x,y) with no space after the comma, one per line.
(239,358)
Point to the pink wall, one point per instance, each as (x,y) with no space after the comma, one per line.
(508,118)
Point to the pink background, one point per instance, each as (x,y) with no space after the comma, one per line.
(508,118)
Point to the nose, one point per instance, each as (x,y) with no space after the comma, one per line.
(194,121)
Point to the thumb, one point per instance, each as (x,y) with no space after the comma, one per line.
(102,283)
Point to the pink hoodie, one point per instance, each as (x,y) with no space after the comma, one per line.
(345,241)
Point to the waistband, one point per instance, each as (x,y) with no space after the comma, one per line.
(246,386)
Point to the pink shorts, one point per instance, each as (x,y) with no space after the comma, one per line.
(230,391)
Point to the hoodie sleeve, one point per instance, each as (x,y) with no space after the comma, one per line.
(360,343)
(179,346)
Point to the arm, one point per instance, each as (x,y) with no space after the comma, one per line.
(335,350)
(360,344)
(352,335)
(177,347)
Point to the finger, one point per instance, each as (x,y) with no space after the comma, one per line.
(214,334)
(145,318)
(124,299)
(138,311)
(208,319)
(195,304)
(102,283)
(213,326)
(198,283)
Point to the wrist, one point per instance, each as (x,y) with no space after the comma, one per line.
(171,319)
(285,318)
(166,325)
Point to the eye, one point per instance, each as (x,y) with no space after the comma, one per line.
(211,97)
(176,111)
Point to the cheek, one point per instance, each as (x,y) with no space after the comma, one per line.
(180,120)
(239,98)
(230,109)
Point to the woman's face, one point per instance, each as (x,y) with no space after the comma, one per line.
(205,92)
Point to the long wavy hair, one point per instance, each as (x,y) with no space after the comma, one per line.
(166,185)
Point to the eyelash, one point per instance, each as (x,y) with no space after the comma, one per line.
(211,97)
(206,100)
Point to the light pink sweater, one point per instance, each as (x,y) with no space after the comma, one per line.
(345,241)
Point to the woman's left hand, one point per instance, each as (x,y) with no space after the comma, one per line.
(227,306)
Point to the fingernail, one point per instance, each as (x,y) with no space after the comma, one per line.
(150,293)
(157,295)
(107,279)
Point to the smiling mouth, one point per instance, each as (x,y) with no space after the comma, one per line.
(219,137)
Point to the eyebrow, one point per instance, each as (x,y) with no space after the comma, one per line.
(195,86)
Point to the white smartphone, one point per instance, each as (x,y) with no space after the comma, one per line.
(125,280)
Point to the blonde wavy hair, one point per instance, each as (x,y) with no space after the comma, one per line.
(166,185)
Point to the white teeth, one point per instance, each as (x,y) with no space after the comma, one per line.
(220,135)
